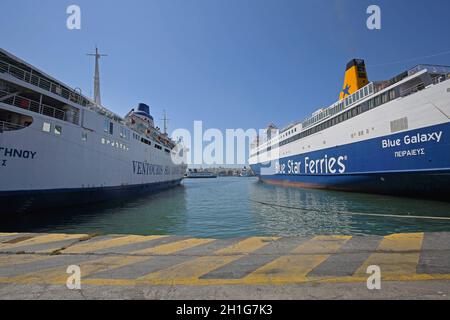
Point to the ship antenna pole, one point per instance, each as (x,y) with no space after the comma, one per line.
(97,56)
(165,121)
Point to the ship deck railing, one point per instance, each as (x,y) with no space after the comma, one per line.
(420,86)
(8,126)
(42,83)
(34,106)
(57,89)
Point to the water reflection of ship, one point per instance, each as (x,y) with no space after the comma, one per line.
(298,212)
(159,213)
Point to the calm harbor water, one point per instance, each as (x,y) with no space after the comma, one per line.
(237,207)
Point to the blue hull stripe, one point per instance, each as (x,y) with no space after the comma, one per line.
(415,162)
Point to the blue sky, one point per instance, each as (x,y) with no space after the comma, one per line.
(230,63)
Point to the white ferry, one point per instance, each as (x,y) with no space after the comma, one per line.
(60,148)
(389,137)
(194,173)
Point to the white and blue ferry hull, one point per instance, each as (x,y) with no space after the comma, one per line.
(413,162)
(366,166)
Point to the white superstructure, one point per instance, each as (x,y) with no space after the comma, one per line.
(57,144)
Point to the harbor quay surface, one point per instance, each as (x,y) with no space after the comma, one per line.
(40,266)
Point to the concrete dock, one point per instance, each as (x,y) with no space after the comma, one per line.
(412,265)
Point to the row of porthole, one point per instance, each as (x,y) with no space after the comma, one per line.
(116,144)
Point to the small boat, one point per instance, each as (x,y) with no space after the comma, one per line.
(194,173)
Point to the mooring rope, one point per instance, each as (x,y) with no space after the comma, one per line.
(356,213)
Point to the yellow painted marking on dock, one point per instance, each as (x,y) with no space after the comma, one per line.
(397,254)
(3,234)
(221,282)
(246,246)
(47,238)
(300,262)
(191,270)
(59,275)
(287,268)
(16,259)
(321,245)
(173,247)
(109,243)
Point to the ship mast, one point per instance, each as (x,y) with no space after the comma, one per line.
(97,56)
(165,121)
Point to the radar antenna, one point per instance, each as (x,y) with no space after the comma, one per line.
(97,56)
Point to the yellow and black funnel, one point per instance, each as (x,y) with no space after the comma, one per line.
(355,78)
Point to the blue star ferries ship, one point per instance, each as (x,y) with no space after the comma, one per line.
(387,137)
(60,148)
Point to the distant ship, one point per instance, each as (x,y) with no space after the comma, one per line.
(60,148)
(389,137)
(194,173)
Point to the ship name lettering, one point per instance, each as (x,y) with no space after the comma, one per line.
(434,136)
(412,139)
(17,153)
(294,167)
(388,143)
(410,153)
(145,168)
(325,165)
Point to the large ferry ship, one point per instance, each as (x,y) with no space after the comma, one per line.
(60,148)
(389,137)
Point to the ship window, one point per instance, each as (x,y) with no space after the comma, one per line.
(103,141)
(58,130)
(392,95)
(46,127)
(84,136)
(377,101)
(106,125)
(111,128)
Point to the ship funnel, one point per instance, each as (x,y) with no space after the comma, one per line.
(355,78)
(143,108)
